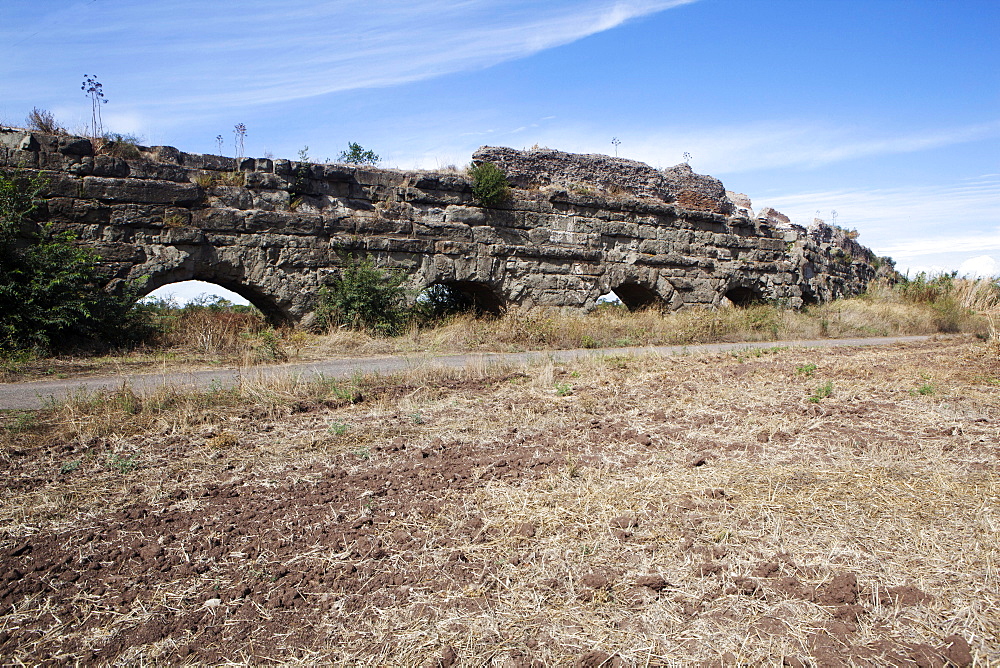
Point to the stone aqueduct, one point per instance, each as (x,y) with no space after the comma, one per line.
(577,227)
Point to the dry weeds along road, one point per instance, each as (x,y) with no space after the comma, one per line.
(36,394)
(790,505)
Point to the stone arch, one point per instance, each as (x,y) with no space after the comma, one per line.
(264,302)
(637,296)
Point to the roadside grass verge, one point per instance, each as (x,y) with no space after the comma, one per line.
(217,333)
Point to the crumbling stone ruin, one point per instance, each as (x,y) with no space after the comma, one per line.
(577,227)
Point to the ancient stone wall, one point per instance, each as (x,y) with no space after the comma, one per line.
(576,228)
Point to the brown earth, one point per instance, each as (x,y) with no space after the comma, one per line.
(709,510)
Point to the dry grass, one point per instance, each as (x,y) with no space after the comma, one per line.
(550,493)
(207,336)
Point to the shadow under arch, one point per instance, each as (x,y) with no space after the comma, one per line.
(636,296)
(265,303)
(447,297)
(742,295)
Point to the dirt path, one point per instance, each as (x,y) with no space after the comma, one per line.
(35,394)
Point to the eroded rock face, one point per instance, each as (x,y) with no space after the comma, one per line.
(576,228)
(583,173)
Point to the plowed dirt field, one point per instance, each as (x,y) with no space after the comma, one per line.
(767,507)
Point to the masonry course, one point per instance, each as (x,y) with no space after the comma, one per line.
(577,227)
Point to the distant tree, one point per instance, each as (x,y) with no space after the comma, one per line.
(357,155)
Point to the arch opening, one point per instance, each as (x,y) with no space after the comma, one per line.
(446,298)
(635,296)
(187,289)
(744,296)
(199,293)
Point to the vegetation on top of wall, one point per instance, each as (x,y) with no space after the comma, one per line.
(43,120)
(119,145)
(489,184)
(356,154)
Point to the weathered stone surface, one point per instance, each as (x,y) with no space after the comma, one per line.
(141,191)
(598,224)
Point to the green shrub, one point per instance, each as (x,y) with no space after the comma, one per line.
(364,297)
(51,292)
(489,185)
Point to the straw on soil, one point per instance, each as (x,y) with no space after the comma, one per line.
(657,511)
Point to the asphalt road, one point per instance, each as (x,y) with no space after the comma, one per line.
(36,394)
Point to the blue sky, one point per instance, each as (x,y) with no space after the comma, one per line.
(887,111)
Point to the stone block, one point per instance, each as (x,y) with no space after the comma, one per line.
(143,169)
(372,225)
(288,222)
(230,197)
(140,191)
(270,200)
(464,214)
(230,220)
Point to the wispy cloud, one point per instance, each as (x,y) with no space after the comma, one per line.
(261,52)
(732,149)
(941,225)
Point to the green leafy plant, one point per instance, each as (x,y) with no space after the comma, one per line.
(806,369)
(22,421)
(824,391)
(564,389)
(338,428)
(364,296)
(175,220)
(51,291)
(69,467)
(926,388)
(356,154)
(123,465)
(489,184)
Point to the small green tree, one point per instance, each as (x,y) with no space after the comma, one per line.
(356,154)
(489,184)
(51,294)
(364,296)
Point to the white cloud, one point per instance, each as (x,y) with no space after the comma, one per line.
(920,227)
(981,266)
